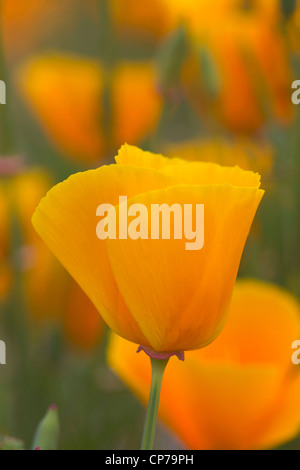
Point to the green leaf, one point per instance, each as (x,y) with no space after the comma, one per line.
(171,57)
(210,73)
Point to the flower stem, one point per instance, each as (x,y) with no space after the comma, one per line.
(158,367)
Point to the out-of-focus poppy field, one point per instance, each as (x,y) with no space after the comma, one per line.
(195,80)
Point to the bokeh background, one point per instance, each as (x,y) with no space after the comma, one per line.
(197,79)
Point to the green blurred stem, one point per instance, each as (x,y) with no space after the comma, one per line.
(6,134)
(158,367)
(108,55)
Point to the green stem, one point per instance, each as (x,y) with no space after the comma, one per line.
(158,368)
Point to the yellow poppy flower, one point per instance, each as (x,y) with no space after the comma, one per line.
(154,292)
(242,391)
(67,94)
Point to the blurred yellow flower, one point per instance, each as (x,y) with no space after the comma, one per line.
(247,154)
(136,102)
(65,94)
(154,292)
(5,267)
(48,290)
(36,264)
(242,391)
(68,95)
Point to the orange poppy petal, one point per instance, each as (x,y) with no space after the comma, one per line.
(187,292)
(66,220)
(200,173)
(225,404)
(217,406)
(248,337)
(130,155)
(284,422)
(82,323)
(211,173)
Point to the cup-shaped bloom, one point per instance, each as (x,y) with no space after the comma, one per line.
(148,287)
(242,391)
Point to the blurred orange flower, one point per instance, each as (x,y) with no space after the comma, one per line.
(293,29)
(242,391)
(48,290)
(65,94)
(135,285)
(198,14)
(136,102)
(253,82)
(5,267)
(68,95)
(25,21)
(134,17)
